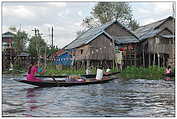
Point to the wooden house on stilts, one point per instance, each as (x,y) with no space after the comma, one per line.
(157,43)
(97,45)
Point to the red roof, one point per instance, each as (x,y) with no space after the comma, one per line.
(58,53)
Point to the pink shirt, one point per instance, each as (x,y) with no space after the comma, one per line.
(168,71)
(31,75)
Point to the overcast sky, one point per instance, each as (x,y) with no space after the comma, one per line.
(66,17)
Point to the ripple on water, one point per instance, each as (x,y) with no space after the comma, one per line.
(120,98)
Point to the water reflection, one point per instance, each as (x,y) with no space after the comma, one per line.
(31,95)
(120,98)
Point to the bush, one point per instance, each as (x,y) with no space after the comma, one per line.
(152,72)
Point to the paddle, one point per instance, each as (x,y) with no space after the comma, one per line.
(111,74)
(50,76)
(55,80)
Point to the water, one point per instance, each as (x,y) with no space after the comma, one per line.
(120,98)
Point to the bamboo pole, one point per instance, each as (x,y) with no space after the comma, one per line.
(154,59)
(149,59)
(158,57)
(163,60)
(143,58)
(45,57)
(113,54)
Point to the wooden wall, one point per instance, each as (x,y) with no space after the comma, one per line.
(163,46)
(170,24)
(117,30)
(82,53)
(99,49)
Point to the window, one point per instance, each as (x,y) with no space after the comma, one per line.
(81,51)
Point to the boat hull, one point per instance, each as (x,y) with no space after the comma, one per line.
(59,83)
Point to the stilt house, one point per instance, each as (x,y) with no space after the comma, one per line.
(96,45)
(157,43)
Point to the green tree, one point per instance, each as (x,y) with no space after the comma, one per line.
(37,46)
(107,11)
(51,50)
(13,29)
(20,41)
(133,24)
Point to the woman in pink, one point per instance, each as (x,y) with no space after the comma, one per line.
(33,69)
(168,70)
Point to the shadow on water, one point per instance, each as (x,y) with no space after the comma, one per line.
(118,98)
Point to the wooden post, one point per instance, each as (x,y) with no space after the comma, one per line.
(143,59)
(158,58)
(154,60)
(135,60)
(163,60)
(149,59)
(88,63)
(113,54)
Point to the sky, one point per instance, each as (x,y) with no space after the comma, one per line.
(66,17)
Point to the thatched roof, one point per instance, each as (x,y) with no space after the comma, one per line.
(93,33)
(150,30)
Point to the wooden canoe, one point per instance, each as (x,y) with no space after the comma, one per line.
(86,76)
(55,83)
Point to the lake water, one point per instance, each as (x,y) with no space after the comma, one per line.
(120,98)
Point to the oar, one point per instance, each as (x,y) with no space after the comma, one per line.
(111,74)
(50,76)
(55,80)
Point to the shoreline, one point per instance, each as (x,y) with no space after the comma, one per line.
(148,73)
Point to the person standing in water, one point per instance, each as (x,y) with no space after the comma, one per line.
(33,69)
(168,70)
(168,73)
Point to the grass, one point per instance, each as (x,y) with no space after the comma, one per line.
(51,70)
(152,72)
(16,70)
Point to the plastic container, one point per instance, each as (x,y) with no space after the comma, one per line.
(108,70)
(99,74)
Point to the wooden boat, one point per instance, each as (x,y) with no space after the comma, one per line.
(68,82)
(86,76)
(52,83)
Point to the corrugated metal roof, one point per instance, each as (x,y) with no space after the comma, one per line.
(92,33)
(125,39)
(23,54)
(8,35)
(149,30)
(168,36)
(87,36)
(150,34)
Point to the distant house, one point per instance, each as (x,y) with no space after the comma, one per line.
(7,40)
(157,42)
(96,45)
(62,58)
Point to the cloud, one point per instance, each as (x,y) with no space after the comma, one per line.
(58,4)
(66,17)
(80,13)
(163,6)
(18,11)
(149,20)
(147,12)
